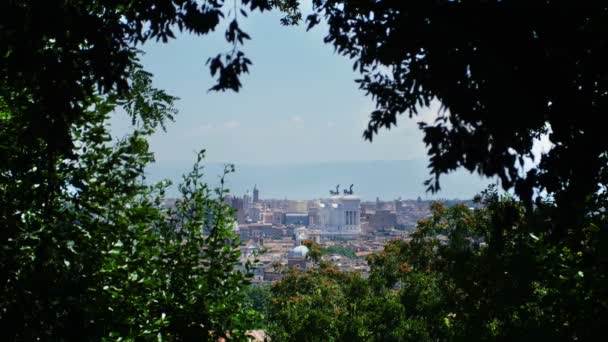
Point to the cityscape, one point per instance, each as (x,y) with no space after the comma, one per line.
(272,232)
(303,171)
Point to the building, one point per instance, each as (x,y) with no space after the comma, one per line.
(277,217)
(256,194)
(297,206)
(238,205)
(382,220)
(250,249)
(259,230)
(246,201)
(313,215)
(398,205)
(304,233)
(339,216)
(297,255)
(289,230)
(267,217)
(297,219)
(254,214)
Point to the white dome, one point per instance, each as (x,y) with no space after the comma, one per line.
(299,251)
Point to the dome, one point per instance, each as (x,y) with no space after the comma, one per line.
(299,251)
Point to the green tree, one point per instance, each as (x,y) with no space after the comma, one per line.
(504,73)
(326,304)
(56,55)
(318,305)
(494,274)
(88,251)
(257,297)
(491,274)
(100,257)
(341,250)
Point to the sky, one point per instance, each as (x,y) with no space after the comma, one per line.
(298,105)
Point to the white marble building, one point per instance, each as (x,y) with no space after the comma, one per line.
(339,217)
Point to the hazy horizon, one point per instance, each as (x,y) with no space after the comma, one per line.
(386,179)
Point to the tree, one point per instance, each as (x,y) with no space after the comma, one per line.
(326,304)
(504,74)
(318,305)
(341,250)
(494,274)
(101,257)
(88,251)
(490,274)
(257,297)
(58,54)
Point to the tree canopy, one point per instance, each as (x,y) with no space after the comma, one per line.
(57,54)
(505,73)
(489,274)
(101,257)
(89,251)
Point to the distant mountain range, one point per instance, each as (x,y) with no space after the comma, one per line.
(384,179)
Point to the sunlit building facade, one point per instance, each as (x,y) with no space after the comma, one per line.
(339,217)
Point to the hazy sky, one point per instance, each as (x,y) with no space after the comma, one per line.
(298,104)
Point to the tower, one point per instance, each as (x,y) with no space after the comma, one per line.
(256,194)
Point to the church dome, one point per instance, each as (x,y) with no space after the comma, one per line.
(299,251)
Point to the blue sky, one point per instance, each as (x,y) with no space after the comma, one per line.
(299,104)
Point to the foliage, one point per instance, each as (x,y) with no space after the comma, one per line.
(291,10)
(55,55)
(257,298)
(315,252)
(89,252)
(504,75)
(318,305)
(96,255)
(326,304)
(340,250)
(485,274)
